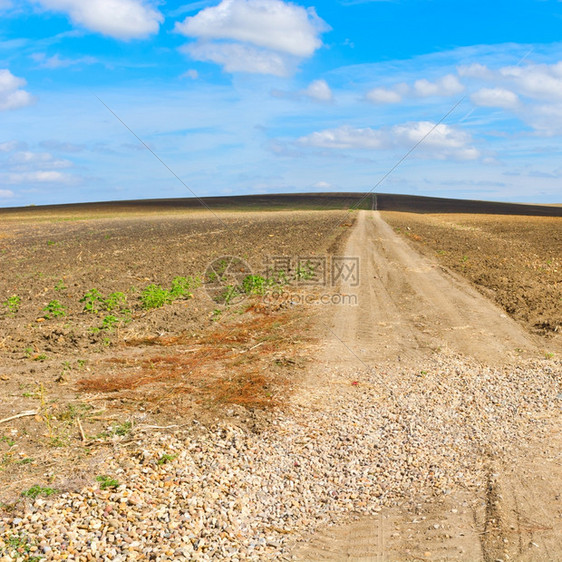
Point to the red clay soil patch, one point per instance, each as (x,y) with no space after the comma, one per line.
(242,363)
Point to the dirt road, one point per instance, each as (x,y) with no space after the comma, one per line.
(409,306)
(411,309)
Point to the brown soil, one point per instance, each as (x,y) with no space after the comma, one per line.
(514,260)
(192,359)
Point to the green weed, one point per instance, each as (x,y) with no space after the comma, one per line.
(37,490)
(109,323)
(155,296)
(54,310)
(8,441)
(19,548)
(165,458)
(12,304)
(92,301)
(305,272)
(115,301)
(107,482)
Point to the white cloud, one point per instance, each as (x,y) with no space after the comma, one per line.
(448,85)
(321,185)
(439,141)
(319,90)
(6,194)
(11,96)
(191,73)
(10,146)
(122,19)
(254,28)
(383,95)
(475,70)
(234,57)
(344,137)
(495,97)
(56,61)
(271,24)
(39,158)
(40,176)
(542,81)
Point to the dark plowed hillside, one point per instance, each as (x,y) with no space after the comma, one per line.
(418,204)
(297,201)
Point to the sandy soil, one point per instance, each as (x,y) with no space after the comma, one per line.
(411,308)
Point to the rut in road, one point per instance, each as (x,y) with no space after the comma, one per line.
(409,308)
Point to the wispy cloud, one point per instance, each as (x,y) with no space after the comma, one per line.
(56,61)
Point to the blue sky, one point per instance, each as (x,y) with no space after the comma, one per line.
(267,96)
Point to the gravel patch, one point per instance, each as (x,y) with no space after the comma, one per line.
(227,493)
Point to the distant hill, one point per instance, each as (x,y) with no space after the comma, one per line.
(304,201)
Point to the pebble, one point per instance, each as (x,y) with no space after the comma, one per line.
(235,494)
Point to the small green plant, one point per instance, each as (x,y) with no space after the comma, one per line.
(115,301)
(92,300)
(180,288)
(229,294)
(37,490)
(216,314)
(165,458)
(8,441)
(19,548)
(109,323)
(122,428)
(81,363)
(60,286)
(26,460)
(548,355)
(40,357)
(28,351)
(107,482)
(54,310)
(51,242)
(255,284)
(305,272)
(155,296)
(12,304)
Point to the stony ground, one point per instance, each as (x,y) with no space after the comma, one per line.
(367,440)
